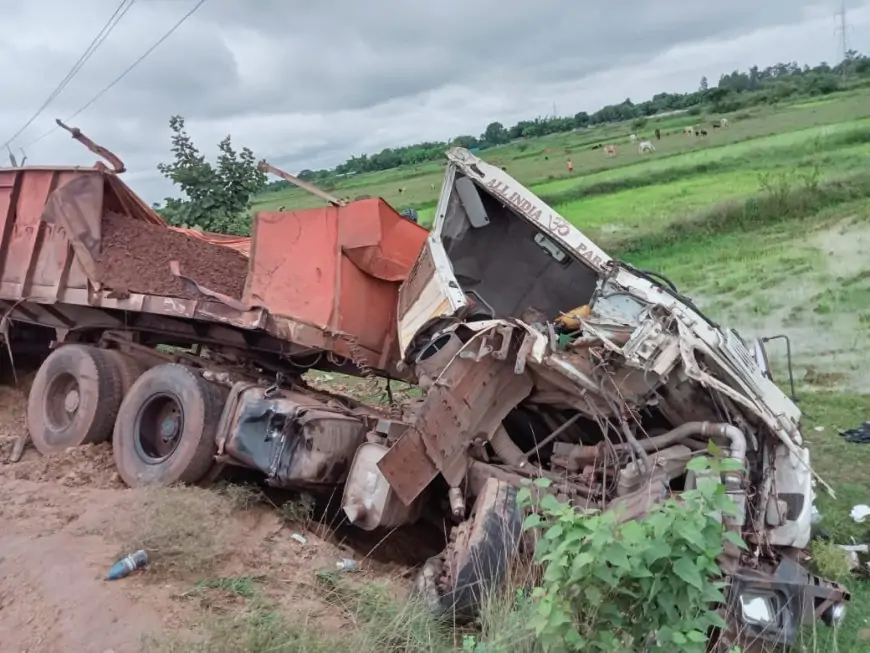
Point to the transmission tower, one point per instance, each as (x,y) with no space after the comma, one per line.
(843,29)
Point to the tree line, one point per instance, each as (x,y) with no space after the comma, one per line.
(216,197)
(734,91)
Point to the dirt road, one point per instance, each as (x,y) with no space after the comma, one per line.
(67,518)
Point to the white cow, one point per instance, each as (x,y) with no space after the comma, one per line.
(632,138)
(723,122)
(688,131)
(610,150)
(645,146)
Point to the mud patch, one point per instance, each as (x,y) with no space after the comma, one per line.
(845,246)
(822,311)
(90,465)
(135,257)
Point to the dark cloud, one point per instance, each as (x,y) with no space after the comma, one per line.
(307,84)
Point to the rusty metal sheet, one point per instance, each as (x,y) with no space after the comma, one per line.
(406,467)
(469,400)
(76,209)
(327,266)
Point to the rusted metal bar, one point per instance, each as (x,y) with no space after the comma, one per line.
(555,434)
(304,185)
(117,165)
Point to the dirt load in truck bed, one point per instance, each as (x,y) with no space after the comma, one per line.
(135,257)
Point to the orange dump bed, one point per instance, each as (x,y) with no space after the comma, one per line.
(324,278)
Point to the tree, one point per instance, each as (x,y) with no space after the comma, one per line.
(495,134)
(581,119)
(217,197)
(703,85)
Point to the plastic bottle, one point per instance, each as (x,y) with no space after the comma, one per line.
(346,564)
(125,566)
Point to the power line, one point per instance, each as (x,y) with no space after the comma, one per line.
(100,94)
(94,45)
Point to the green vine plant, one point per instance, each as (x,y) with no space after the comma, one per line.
(618,586)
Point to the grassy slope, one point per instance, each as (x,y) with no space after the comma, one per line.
(803,270)
(526,160)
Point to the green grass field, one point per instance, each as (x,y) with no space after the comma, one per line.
(766,224)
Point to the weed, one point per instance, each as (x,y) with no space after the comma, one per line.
(830,561)
(180,528)
(241,496)
(297,511)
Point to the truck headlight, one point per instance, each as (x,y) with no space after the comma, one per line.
(758,609)
(834,615)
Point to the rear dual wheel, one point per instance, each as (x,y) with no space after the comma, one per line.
(163,422)
(75,397)
(166,428)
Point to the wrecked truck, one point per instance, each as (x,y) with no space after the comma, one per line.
(542,356)
(538,355)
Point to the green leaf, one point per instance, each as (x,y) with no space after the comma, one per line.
(524,496)
(532,521)
(656,550)
(678,638)
(735,539)
(616,556)
(698,464)
(543,482)
(685,568)
(550,504)
(695,636)
(554,532)
(582,560)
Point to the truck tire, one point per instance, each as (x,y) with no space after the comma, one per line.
(74,399)
(128,368)
(166,428)
(476,561)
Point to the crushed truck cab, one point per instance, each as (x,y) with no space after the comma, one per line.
(541,355)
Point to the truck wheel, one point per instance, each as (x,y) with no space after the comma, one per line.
(166,428)
(74,399)
(128,368)
(476,561)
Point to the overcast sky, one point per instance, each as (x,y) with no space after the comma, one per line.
(307,84)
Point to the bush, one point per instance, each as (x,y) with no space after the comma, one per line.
(648,585)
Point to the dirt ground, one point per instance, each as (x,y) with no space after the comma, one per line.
(67,518)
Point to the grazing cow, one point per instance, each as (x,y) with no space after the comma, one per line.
(658,134)
(645,146)
(610,150)
(401,190)
(688,131)
(570,166)
(723,122)
(716,125)
(632,138)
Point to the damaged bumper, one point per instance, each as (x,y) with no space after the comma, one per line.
(770,605)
